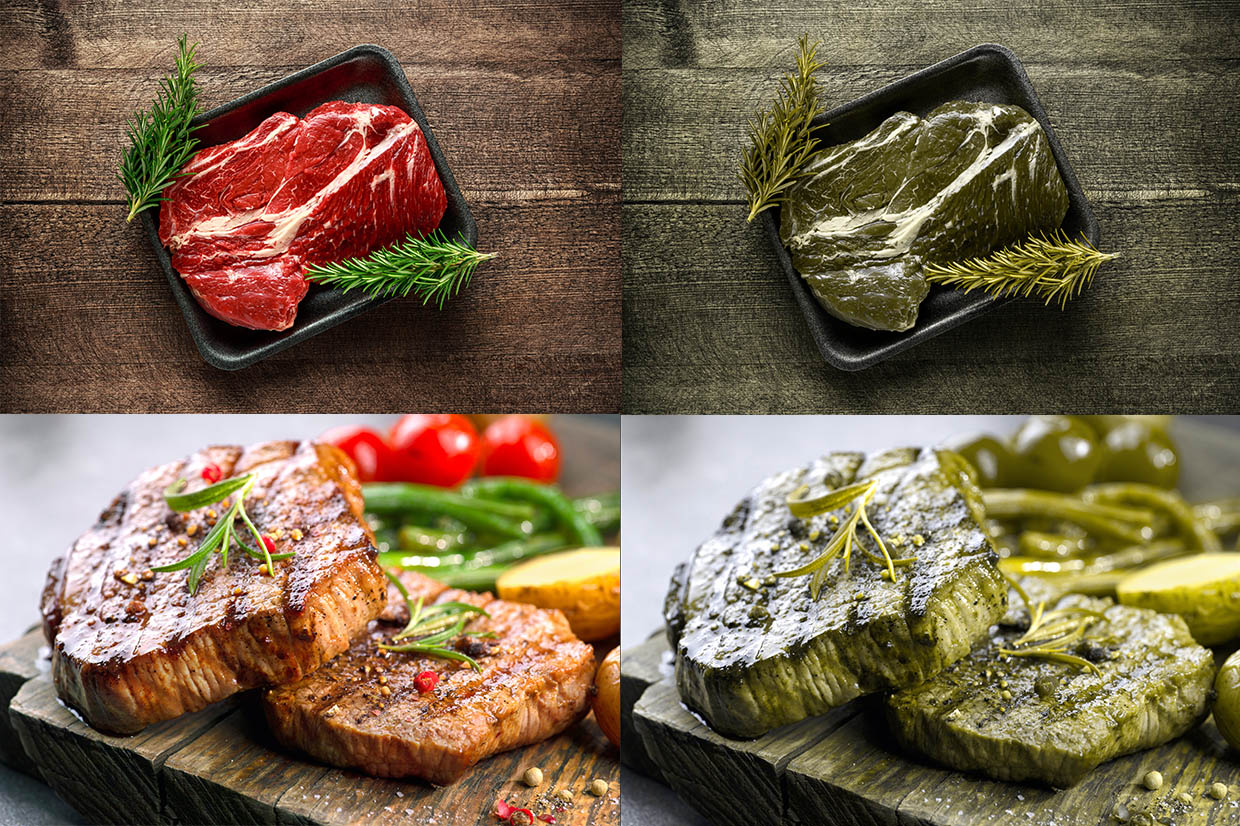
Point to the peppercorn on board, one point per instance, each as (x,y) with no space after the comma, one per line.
(222,764)
(845,767)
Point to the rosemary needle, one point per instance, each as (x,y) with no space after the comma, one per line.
(432,268)
(433,628)
(159,137)
(1053,267)
(780,138)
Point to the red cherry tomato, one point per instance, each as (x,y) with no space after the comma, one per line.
(435,448)
(520,446)
(375,460)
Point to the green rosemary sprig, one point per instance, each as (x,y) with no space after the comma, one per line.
(845,537)
(159,137)
(1052,266)
(781,141)
(223,534)
(1051,633)
(432,268)
(433,628)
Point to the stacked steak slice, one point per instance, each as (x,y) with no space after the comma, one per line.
(366,710)
(131,647)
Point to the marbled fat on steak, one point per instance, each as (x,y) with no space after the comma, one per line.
(250,215)
(130,648)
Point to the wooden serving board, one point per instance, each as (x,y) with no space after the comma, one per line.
(221,765)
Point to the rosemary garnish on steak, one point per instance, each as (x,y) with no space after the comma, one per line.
(1052,633)
(433,268)
(432,629)
(854,498)
(223,535)
(159,137)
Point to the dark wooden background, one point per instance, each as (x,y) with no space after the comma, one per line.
(524,99)
(1143,97)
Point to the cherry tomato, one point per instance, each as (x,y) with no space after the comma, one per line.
(369,451)
(520,446)
(435,448)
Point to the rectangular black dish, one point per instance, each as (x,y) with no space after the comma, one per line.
(988,74)
(363,74)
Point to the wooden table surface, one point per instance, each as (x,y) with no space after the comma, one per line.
(523,98)
(1142,96)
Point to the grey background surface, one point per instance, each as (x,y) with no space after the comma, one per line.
(56,474)
(681,474)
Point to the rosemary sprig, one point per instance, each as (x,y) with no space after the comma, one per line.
(781,141)
(1052,266)
(432,268)
(845,537)
(223,534)
(1051,633)
(433,628)
(159,137)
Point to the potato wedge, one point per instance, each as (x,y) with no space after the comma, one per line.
(584,584)
(1202,588)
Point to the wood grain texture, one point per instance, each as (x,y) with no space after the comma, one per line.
(524,100)
(1140,95)
(19,663)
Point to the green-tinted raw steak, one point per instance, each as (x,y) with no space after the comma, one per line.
(965,180)
(750,658)
(1061,721)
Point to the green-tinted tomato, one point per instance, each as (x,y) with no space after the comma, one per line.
(991,458)
(1104,424)
(1134,452)
(1058,453)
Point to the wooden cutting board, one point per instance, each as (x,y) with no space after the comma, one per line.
(221,765)
(843,768)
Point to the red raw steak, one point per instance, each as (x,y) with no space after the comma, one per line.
(251,215)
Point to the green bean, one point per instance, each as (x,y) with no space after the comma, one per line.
(386,498)
(419,538)
(578,529)
(1198,535)
(601,511)
(1051,545)
(1125,524)
(505,553)
(1221,515)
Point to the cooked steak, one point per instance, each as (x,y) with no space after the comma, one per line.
(754,651)
(250,215)
(966,179)
(130,647)
(534,683)
(1057,721)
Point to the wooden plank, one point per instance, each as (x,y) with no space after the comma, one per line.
(112,34)
(544,133)
(714,774)
(537,330)
(726,33)
(21,660)
(108,779)
(640,667)
(677,146)
(711,325)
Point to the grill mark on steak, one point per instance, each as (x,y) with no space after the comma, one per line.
(535,682)
(127,655)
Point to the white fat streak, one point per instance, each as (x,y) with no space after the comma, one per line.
(287,225)
(907,225)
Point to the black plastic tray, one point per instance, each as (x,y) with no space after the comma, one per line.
(363,74)
(986,74)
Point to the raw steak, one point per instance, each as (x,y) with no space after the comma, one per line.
(252,214)
(127,654)
(965,180)
(1053,722)
(535,682)
(755,651)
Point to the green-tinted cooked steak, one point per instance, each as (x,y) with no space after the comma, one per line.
(965,180)
(1061,721)
(754,651)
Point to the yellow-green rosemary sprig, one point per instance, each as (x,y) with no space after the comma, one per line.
(1051,633)
(781,141)
(1053,267)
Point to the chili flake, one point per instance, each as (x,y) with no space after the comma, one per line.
(426,681)
(212,473)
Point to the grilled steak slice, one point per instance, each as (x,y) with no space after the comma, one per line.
(127,655)
(1061,721)
(754,652)
(534,683)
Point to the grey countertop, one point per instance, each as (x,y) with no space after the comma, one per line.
(681,474)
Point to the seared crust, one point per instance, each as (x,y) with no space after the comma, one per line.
(126,656)
(534,684)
